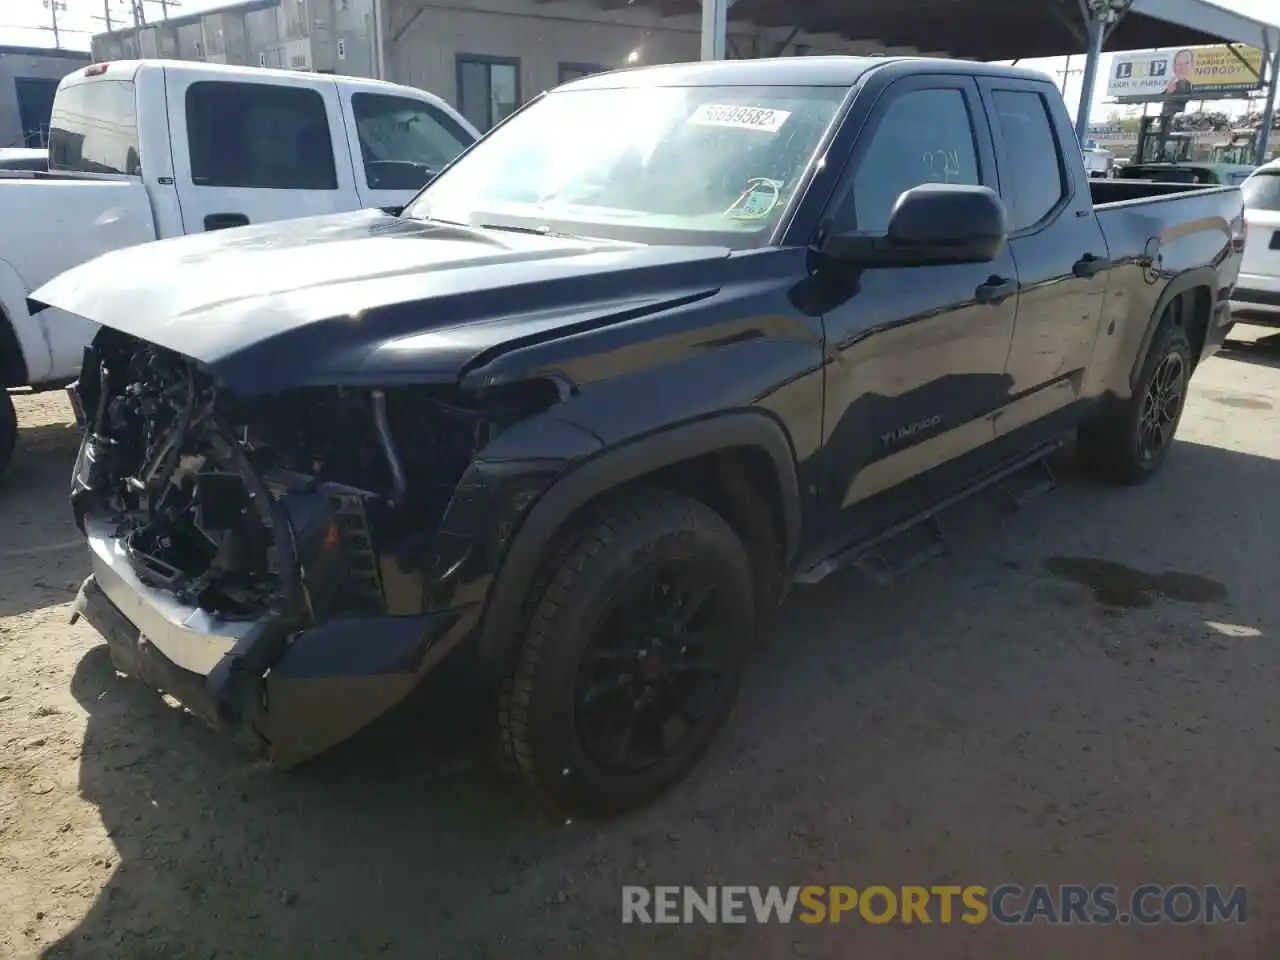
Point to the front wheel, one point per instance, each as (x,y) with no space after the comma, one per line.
(631,653)
(1128,443)
(8,429)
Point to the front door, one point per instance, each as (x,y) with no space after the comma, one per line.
(250,152)
(1057,245)
(917,355)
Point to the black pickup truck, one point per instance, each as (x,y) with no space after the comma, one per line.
(663,343)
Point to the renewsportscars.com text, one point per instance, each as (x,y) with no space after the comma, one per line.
(1007,904)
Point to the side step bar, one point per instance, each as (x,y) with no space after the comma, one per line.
(869,555)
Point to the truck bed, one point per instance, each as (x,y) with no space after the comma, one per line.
(47,225)
(1181,232)
(1107,192)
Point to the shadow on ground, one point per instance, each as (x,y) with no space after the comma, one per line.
(985,720)
(1264,351)
(39,545)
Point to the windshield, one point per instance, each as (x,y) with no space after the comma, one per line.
(652,164)
(1262,191)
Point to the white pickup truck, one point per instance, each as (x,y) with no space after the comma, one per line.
(149,149)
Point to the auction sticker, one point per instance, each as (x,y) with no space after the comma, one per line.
(743,118)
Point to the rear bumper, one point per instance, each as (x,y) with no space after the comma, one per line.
(318,686)
(1256,299)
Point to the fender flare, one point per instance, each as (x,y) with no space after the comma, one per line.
(610,470)
(1206,277)
(20,332)
(13,365)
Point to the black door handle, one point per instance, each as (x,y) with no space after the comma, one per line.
(1090,266)
(221,221)
(995,290)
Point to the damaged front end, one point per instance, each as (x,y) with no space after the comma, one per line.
(273,562)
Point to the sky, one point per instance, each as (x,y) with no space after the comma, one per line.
(29,23)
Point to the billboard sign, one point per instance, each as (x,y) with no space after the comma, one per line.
(1187,73)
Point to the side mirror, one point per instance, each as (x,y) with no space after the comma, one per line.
(931,225)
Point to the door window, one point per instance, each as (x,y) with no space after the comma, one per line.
(1037,177)
(404,142)
(488,89)
(259,135)
(923,136)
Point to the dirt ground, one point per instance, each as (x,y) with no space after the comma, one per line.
(1083,692)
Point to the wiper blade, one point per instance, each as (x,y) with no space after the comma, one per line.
(537,231)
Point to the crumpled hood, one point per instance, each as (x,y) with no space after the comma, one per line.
(367,297)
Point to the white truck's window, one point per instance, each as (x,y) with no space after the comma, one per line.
(924,136)
(1262,191)
(404,142)
(259,135)
(1038,179)
(94,128)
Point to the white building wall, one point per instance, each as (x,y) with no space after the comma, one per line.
(424,39)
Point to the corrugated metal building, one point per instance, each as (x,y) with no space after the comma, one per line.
(327,36)
(28,78)
(485,56)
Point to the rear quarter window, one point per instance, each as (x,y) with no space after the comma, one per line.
(94,128)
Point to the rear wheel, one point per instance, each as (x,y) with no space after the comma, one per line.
(631,653)
(1127,443)
(8,430)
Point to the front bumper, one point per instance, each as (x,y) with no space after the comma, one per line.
(330,679)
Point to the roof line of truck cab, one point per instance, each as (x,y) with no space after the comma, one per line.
(823,71)
(130,70)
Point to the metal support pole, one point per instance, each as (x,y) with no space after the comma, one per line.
(1097,31)
(379,41)
(715,26)
(1269,110)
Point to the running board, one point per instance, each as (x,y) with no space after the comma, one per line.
(874,557)
(1023,486)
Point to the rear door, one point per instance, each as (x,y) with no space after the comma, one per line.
(255,150)
(399,142)
(1057,244)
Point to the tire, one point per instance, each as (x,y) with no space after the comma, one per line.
(565,704)
(1113,446)
(8,430)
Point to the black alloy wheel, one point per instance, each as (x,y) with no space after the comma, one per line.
(650,674)
(1127,441)
(629,660)
(1162,406)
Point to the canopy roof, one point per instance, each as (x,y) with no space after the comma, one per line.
(994,29)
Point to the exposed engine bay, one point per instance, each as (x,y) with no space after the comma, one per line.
(288,502)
